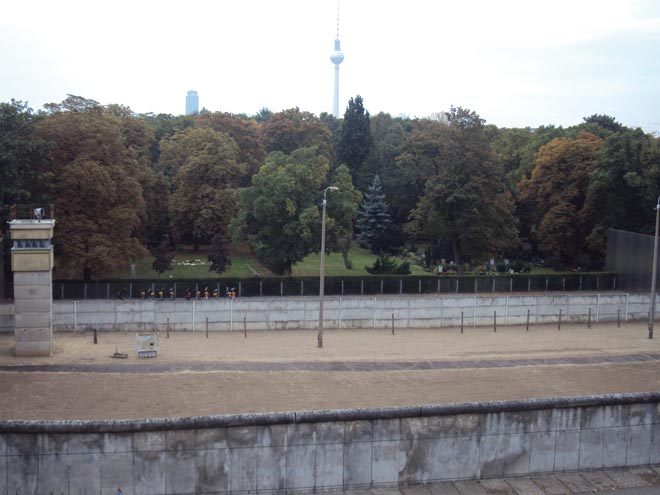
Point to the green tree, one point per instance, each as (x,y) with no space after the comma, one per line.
(218,255)
(467,202)
(245,132)
(291,129)
(343,208)
(279,214)
(205,184)
(388,140)
(422,157)
(24,175)
(97,188)
(165,125)
(156,192)
(626,179)
(355,141)
(163,258)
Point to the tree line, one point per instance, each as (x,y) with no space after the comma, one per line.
(125,184)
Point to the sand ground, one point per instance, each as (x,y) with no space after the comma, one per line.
(285,370)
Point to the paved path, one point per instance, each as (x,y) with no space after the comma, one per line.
(636,481)
(284,370)
(357,366)
(135,395)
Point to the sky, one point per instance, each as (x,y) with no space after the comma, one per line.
(517,63)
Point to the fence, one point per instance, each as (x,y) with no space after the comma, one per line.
(432,311)
(338,286)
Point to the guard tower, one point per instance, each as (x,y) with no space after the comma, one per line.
(32,262)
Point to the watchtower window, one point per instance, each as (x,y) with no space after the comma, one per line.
(24,244)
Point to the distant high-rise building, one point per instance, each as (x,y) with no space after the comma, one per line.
(192,103)
(337,58)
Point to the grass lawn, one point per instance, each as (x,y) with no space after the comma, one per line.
(190,265)
(334,264)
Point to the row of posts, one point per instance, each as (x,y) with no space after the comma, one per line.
(618,323)
(618,320)
(493,287)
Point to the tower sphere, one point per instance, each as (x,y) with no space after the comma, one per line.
(337,57)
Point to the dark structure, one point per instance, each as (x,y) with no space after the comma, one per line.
(630,256)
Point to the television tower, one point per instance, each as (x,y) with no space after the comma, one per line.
(337,58)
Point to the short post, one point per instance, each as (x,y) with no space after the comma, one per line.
(527,324)
(261,288)
(96,341)
(461,321)
(168,328)
(559,323)
(207,327)
(495,321)
(618,318)
(589,319)
(392,323)
(245,326)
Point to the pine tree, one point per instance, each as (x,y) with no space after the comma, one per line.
(354,140)
(374,222)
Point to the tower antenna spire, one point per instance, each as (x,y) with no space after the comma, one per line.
(337,58)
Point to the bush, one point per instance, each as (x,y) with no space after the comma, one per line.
(520,267)
(384,265)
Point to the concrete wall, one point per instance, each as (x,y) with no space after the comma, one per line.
(33,299)
(346,449)
(343,312)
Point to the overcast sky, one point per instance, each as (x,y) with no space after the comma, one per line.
(515,62)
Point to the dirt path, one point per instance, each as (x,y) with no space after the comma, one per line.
(277,371)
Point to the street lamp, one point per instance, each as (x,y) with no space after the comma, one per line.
(322,277)
(655,267)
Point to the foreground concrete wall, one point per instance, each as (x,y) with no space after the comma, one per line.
(345,312)
(330,450)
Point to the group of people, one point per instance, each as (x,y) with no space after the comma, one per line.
(150,293)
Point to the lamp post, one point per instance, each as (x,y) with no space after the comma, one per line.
(322,276)
(655,267)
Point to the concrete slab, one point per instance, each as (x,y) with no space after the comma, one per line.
(551,485)
(625,479)
(497,487)
(443,489)
(599,480)
(470,488)
(524,486)
(649,475)
(415,490)
(576,483)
